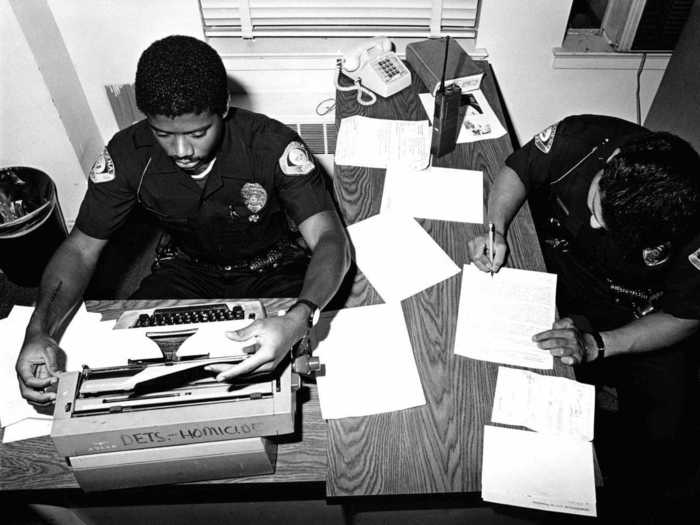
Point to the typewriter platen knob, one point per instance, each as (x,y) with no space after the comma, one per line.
(307,365)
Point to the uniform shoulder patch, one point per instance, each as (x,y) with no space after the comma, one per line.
(694,259)
(103,168)
(296,160)
(545,138)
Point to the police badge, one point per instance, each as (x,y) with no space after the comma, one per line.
(656,256)
(296,160)
(254,197)
(103,168)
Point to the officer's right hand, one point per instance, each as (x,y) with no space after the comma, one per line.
(479,252)
(37,369)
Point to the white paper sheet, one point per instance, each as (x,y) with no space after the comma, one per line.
(397,256)
(435,193)
(377,143)
(552,405)
(476,125)
(27,428)
(499,315)
(370,368)
(538,471)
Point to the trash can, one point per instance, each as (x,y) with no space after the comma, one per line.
(31,223)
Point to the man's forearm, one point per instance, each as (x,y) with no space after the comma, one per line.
(329,264)
(652,332)
(505,199)
(61,289)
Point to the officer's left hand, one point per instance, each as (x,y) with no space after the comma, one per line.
(566,341)
(274,337)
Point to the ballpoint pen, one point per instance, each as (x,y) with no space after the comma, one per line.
(492,232)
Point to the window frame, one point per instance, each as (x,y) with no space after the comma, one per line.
(246,29)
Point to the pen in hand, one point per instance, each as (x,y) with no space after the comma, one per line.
(492,232)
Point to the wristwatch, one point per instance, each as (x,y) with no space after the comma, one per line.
(314,312)
(600,344)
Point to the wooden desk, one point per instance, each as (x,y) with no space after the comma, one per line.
(435,448)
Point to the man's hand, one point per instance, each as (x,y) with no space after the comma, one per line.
(274,337)
(569,343)
(37,369)
(479,252)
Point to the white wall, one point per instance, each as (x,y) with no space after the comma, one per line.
(31,131)
(519,37)
(104,39)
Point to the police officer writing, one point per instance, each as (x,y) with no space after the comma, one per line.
(229,186)
(617,211)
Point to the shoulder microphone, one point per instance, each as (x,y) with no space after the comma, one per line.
(446,115)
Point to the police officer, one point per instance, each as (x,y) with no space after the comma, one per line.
(616,208)
(230,187)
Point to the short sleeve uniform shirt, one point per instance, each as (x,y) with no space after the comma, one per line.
(557,167)
(262,176)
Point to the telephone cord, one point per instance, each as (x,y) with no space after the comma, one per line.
(362,91)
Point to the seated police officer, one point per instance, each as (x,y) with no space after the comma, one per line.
(225,184)
(616,208)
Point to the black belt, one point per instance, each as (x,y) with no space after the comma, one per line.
(640,301)
(280,253)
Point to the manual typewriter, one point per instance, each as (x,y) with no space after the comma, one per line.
(155,421)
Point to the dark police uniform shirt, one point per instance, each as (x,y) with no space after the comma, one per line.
(243,207)
(557,167)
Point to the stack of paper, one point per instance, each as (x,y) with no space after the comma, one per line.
(369,363)
(551,469)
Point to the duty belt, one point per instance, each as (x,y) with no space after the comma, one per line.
(639,301)
(280,253)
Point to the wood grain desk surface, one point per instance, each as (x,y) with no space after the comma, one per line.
(435,448)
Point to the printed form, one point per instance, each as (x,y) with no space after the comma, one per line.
(499,315)
(378,143)
(553,405)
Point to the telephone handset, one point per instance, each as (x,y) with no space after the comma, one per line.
(375,67)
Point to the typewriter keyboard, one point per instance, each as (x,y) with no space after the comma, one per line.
(195,314)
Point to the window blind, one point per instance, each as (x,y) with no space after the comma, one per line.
(327,18)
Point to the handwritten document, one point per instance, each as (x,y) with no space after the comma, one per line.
(398,257)
(435,193)
(499,315)
(377,143)
(538,471)
(370,368)
(480,121)
(553,405)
